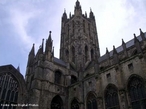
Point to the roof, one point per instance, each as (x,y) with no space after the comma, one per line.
(120,48)
(59,61)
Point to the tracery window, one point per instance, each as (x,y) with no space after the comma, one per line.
(111,98)
(137,93)
(91,102)
(74,104)
(57,103)
(58,77)
(8,91)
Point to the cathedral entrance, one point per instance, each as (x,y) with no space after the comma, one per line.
(57,103)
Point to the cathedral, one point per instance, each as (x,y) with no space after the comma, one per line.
(80,78)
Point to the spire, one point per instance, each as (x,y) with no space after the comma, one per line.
(42,47)
(123,44)
(31,56)
(50,39)
(64,17)
(85,14)
(91,15)
(107,52)
(135,38)
(114,50)
(70,14)
(77,4)
(49,43)
(78,9)
(32,52)
(18,68)
(142,34)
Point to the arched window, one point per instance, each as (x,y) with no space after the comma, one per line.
(73,54)
(111,98)
(137,93)
(8,90)
(73,79)
(74,104)
(92,54)
(86,53)
(58,77)
(57,103)
(91,102)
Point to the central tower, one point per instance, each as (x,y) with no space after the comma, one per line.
(79,40)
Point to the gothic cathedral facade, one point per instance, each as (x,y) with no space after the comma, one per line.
(81,78)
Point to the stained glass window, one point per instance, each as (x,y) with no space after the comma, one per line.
(137,93)
(111,98)
(91,102)
(74,104)
(57,103)
(8,90)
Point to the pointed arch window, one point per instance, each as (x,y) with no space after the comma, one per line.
(111,98)
(74,104)
(137,93)
(58,77)
(57,103)
(73,54)
(8,89)
(91,102)
(86,53)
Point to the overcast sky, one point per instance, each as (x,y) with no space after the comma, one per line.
(24,22)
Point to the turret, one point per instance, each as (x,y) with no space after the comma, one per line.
(78,10)
(91,15)
(115,56)
(31,56)
(137,44)
(64,16)
(142,35)
(124,48)
(107,53)
(48,49)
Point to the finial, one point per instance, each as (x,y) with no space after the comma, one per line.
(123,41)
(134,35)
(64,10)
(90,9)
(107,50)
(85,13)
(70,15)
(140,31)
(50,32)
(114,50)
